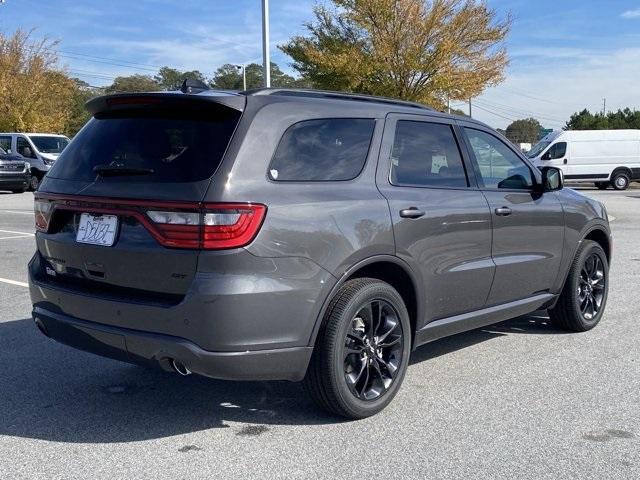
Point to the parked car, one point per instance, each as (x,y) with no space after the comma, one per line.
(40,149)
(302,235)
(605,157)
(14,172)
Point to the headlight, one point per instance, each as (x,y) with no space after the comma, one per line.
(27,166)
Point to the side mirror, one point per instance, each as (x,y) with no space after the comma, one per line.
(552,179)
(546,156)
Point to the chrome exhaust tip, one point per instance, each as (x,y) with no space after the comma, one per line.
(179,367)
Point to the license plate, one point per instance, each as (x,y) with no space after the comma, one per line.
(97,229)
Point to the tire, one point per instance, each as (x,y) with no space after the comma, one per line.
(571,312)
(361,383)
(34,183)
(602,185)
(620,180)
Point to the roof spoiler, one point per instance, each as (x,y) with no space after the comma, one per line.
(177,100)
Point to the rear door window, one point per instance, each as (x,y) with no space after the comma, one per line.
(332,149)
(162,146)
(426,155)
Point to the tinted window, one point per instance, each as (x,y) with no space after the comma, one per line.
(46,144)
(557,151)
(322,150)
(24,148)
(176,147)
(496,164)
(426,154)
(5,144)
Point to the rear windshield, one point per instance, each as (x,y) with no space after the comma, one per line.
(167,146)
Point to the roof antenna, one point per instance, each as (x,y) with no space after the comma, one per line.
(191,85)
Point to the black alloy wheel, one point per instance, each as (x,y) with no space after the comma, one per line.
(373,350)
(591,286)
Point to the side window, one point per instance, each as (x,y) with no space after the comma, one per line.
(557,151)
(5,143)
(496,164)
(24,149)
(331,149)
(426,154)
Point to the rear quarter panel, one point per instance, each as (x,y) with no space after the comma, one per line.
(334,224)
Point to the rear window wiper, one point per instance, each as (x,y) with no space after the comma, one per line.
(117,170)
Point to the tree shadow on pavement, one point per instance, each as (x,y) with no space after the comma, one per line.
(52,392)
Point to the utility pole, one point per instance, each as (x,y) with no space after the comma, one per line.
(448,104)
(470,116)
(244,75)
(604,106)
(266,61)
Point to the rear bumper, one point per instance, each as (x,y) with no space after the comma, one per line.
(156,349)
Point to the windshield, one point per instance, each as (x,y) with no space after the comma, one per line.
(166,146)
(538,148)
(49,144)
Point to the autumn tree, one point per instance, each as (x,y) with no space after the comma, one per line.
(34,91)
(410,49)
(524,131)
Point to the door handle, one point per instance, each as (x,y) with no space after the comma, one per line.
(565,161)
(503,211)
(411,212)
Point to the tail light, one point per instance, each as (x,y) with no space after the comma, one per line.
(213,226)
(208,226)
(42,209)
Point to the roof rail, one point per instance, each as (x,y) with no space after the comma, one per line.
(302,92)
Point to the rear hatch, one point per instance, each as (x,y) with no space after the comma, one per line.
(120,214)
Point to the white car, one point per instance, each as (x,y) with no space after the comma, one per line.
(40,149)
(605,157)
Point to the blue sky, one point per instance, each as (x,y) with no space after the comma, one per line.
(565,55)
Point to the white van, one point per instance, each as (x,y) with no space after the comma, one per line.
(605,157)
(40,149)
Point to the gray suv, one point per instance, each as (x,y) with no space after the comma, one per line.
(302,235)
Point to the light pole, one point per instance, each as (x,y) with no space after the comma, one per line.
(244,76)
(266,61)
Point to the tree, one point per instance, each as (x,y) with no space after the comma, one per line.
(133,83)
(410,49)
(585,120)
(229,77)
(79,115)
(171,79)
(524,131)
(34,91)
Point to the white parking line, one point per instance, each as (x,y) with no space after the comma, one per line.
(25,234)
(14,282)
(16,236)
(19,212)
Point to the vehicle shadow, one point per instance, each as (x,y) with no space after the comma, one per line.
(51,392)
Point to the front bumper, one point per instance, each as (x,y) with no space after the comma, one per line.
(156,349)
(14,182)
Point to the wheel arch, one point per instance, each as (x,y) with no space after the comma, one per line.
(601,237)
(389,269)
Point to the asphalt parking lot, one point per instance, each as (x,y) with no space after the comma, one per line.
(515,400)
